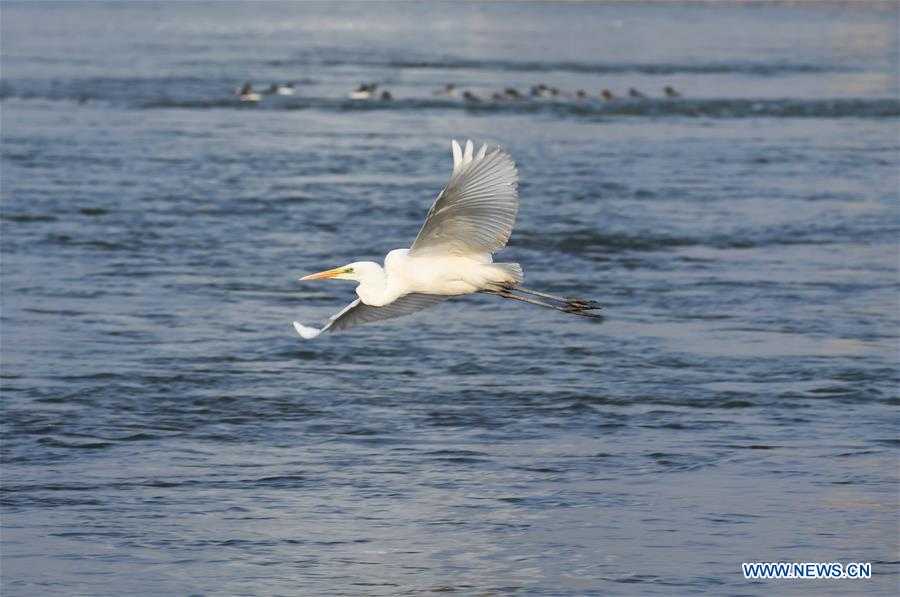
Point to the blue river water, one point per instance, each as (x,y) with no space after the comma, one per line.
(165,431)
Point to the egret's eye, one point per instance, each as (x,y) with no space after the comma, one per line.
(349,270)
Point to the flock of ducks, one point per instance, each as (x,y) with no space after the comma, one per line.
(510,93)
(369,91)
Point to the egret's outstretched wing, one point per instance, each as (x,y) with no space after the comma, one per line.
(357,313)
(476,211)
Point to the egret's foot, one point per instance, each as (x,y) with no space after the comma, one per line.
(582,303)
(583,313)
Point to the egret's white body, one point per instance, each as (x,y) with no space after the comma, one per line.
(445,275)
(470,220)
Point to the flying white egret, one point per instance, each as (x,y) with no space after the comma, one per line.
(470,220)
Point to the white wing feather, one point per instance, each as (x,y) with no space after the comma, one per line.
(476,211)
(358,313)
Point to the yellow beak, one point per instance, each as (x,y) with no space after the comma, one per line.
(327,274)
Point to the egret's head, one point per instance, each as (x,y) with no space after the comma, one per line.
(358,270)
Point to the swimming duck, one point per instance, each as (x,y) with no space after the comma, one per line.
(670,91)
(470,97)
(386,95)
(248,94)
(512,93)
(287,89)
(632,92)
(542,90)
(607,95)
(364,91)
(448,90)
(581,94)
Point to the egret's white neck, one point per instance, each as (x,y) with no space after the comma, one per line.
(373,285)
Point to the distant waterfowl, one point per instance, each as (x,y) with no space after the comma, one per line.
(286,89)
(512,93)
(386,95)
(449,90)
(470,97)
(542,90)
(632,92)
(248,94)
(670,91)
(607,95)
(581,94)
(364,91)
(360,94)
(498,96)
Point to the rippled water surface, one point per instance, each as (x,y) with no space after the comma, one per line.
(165,431)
